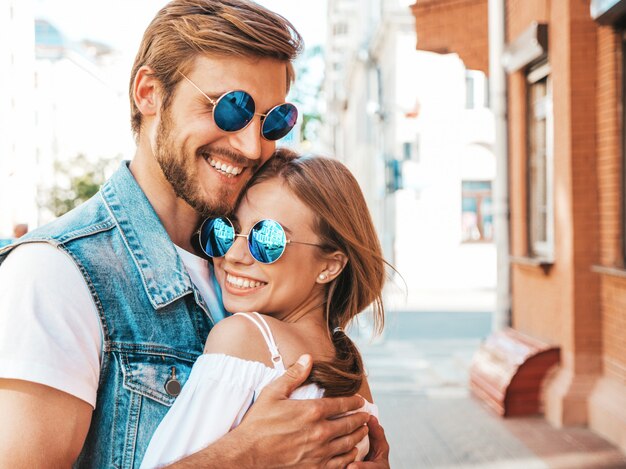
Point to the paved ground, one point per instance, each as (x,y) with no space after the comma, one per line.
(419,373)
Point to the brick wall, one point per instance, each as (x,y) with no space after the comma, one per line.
(608,146)
(609,164)
(542,303)
(583,107)
(580,302)
(444,26)
(520,13)
(614,318)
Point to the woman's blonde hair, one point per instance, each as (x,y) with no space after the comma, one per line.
(343,223)
(185,29)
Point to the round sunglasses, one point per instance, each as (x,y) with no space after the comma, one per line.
(234,110)
(266,239)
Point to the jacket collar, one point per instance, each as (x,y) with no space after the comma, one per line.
(163,274)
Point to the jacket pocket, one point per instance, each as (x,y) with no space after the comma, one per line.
(147,374)
(140,409)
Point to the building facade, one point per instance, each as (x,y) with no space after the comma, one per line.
(564,63)
(59,99)
(17,116)
(415,129)
(82,108)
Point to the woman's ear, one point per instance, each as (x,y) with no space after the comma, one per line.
(334,263)
(146,89)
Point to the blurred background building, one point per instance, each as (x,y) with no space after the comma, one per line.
(416,129)
(565,106)
(88,124)
(66,104)
(18,193)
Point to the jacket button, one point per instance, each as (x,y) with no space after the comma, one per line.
(172,385)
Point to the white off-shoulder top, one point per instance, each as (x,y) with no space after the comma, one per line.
(218,393)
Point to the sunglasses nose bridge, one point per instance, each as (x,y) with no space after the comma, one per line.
(239,251)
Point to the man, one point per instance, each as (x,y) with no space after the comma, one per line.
(103,312)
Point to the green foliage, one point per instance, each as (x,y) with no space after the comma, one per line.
(76,181)
(307,90)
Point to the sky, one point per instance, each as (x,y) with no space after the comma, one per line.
(120,23)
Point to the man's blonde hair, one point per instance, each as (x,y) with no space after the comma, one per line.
(185,29)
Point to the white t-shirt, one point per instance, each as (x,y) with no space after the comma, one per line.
(50,332)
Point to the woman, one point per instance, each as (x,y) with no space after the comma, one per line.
(302,250)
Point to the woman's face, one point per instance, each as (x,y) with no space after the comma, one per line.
(290,284)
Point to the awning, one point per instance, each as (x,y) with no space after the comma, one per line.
(454,26)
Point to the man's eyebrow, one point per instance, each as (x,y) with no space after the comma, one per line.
(202,97)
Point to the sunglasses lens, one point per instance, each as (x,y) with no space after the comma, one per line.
(217,235)
(234,111)
(279,121)
(267,241)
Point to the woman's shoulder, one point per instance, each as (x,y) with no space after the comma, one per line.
(238,337)
(295,339)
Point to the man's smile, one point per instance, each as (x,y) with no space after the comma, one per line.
(227,169)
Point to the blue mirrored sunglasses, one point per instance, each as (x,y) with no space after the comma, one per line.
(266,239)
(234,110)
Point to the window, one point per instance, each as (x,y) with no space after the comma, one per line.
(539,163)
(477,211)
(476,90)
(340,29)
(411,150)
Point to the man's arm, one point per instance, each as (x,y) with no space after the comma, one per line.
(280,432)
(41,426)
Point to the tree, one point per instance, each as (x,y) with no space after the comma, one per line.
(307,88)
(76,181)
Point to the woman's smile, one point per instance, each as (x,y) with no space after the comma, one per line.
(242,283)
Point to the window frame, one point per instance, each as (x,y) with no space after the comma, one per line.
(542,249)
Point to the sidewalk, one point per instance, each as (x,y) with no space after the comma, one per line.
(418,372)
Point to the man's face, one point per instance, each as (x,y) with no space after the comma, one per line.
(208,167)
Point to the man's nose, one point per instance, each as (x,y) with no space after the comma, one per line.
(248,141)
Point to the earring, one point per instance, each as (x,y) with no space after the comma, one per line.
(322,276)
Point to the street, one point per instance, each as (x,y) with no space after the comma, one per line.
(418,372)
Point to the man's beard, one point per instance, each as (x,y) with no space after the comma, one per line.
(180,170)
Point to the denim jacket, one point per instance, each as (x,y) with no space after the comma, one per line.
(154,320)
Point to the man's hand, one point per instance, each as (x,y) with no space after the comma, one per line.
(304,433)
(378,456)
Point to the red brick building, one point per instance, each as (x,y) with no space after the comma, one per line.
(567,228)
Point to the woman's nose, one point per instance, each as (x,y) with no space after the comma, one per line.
(239,251)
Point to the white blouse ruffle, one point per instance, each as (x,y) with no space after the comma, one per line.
(218,393)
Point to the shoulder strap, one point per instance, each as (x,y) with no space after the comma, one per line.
(262,325)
